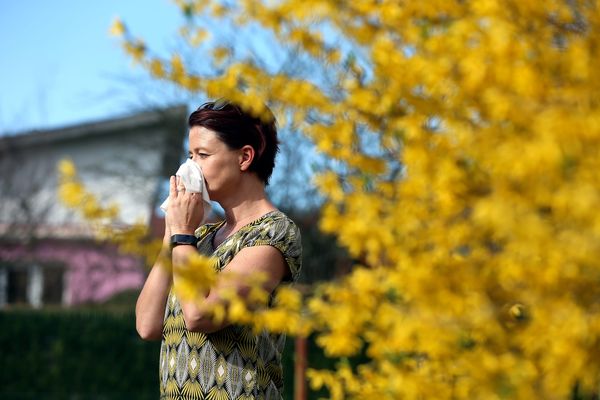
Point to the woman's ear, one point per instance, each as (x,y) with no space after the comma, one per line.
(246,157)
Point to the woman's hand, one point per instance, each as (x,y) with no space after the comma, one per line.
(185,211)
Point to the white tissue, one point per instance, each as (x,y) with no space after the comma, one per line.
(193,180)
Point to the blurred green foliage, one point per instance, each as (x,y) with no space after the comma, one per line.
(92,354)
(75,355)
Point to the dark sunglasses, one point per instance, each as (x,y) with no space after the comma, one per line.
(221,105)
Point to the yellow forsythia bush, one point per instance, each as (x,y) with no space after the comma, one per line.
(468,133)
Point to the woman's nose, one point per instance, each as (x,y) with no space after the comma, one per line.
(196,159)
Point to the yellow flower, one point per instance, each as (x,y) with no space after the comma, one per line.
(117,28)
(238,312)
(218,10)
(288,298)
(339,343)
(71,193)
(200,36)
(177,68)
(220,54)
(91,209)
(66,169)
(137,49)
(274,320)
(157,69)
(198,272)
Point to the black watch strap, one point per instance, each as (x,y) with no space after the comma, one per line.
(178,239)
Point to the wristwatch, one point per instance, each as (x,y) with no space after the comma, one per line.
(178,239)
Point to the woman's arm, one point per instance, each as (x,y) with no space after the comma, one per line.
(184,215)
(265,260)
(150,306)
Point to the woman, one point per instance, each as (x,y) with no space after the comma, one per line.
(200,358)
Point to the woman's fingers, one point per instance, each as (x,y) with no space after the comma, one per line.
(185,209)
(180,185)
(173,187)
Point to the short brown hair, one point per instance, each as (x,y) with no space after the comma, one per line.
(237,128)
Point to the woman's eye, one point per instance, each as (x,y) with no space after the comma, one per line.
(201,155)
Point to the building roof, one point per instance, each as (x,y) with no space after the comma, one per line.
(177,114)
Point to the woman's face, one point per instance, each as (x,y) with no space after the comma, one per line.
(220,165)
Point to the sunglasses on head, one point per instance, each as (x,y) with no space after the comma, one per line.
(220,105)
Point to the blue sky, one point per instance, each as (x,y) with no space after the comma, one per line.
(59,65)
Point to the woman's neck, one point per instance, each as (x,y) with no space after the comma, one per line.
(247,212)
(249,203)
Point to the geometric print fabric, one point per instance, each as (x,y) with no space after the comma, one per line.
(233,363)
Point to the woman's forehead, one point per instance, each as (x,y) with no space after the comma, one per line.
(201,136)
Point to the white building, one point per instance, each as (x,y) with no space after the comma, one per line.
(47,253)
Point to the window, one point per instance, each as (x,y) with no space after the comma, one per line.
(17,286)
(32,284)
(52,292)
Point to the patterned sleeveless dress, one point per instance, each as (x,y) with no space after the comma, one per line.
(233,363)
